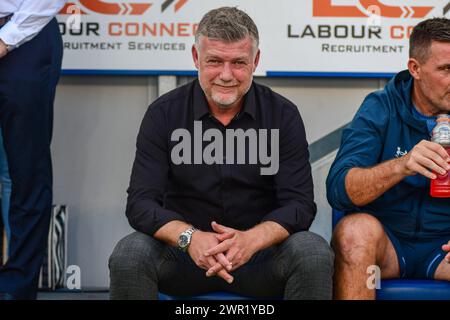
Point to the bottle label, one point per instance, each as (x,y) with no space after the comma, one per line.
(441,134)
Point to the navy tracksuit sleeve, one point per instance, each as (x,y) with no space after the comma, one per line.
(361,147)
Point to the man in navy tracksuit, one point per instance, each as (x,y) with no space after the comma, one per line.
(383,170)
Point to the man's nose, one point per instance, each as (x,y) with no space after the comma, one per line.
(227,73)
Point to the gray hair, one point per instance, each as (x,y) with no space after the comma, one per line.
(228,24)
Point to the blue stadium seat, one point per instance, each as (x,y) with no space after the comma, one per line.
(407,289)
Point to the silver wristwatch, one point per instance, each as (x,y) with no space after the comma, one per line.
(184,240)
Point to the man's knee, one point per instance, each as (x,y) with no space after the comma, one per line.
(357,236)
(135,252)
(307,247)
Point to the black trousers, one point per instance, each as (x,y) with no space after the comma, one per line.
(28,78)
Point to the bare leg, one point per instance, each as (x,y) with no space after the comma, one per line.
(359,241)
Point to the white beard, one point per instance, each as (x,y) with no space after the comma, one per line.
(222,102)
(225,103)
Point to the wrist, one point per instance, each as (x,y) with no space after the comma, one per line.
(254,239)
(4,48)
(400,167)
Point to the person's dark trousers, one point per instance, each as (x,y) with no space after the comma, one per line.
(299,268)
(28,79)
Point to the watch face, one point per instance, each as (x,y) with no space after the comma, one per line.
(183,240)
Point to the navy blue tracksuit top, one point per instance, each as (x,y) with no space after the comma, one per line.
(382,129)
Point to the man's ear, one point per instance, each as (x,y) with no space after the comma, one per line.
(414,68)
(256,62)
(195,56)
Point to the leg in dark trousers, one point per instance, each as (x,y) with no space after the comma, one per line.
(300,268)
(28,78)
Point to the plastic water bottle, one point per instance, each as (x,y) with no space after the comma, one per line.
(440,187)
